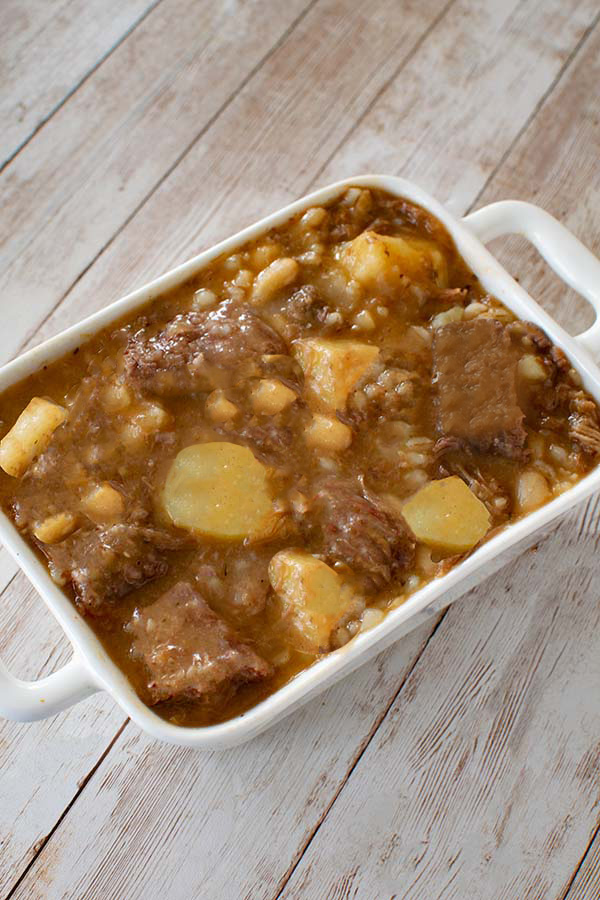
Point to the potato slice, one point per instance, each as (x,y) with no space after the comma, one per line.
(30,435)
(332,368)
(379,261)
(220,490)
(447,515)
(314,599)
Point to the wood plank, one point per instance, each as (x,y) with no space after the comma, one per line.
(173,815)
(483,779)
(47,50)
(42,765)
(69,191)
(477,70)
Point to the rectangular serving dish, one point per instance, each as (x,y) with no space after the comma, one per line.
(91,669)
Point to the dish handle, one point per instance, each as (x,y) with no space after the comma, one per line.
(563,252)
(26,701)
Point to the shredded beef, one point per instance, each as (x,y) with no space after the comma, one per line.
(584,428)
(189,651)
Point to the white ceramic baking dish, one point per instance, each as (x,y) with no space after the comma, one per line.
(90,668)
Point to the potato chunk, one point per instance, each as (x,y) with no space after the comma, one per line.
(30,435)
(271,396)
(379,261)
(447,515)
(314,599)
(332,368)
(220,490)
(55,528)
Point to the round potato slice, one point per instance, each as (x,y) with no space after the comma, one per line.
(447,515)
(220,490)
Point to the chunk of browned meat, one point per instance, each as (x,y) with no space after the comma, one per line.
(188,650)
(475,381)
(180,359)
(358,531)
(584,427)
(105,564)
(269,439)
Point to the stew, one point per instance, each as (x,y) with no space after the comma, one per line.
(244,474)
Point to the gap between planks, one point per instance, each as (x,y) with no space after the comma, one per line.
(580,864)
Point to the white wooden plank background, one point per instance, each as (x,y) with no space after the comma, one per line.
(463,763)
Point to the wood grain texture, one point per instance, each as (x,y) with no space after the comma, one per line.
(287,151)
(482,780)
(474,728)
(42,766)
(46,50)
(240,814)
(69,192)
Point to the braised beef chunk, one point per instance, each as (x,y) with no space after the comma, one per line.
(584,427)
(556,403)
(180,358)
(105,564)
(362,534)
(188,651)
(475,381)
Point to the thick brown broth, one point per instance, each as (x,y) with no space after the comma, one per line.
(440,385)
